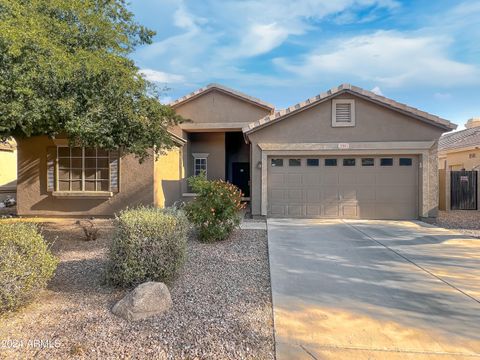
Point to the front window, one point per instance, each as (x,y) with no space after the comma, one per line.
(86,169)
(200,165)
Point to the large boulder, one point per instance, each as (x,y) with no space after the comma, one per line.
(147,299)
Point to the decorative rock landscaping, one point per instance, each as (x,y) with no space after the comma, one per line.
(146,300)
(221,308)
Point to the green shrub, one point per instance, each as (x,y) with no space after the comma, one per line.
(215,210)
(149,245)
(26,264)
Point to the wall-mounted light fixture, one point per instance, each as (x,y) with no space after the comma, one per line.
(259,165)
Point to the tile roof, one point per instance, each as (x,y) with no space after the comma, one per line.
(347,88)
(460,139)
(224,89)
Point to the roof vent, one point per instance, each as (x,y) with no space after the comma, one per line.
(343,112)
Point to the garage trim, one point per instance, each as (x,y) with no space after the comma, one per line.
(356,148)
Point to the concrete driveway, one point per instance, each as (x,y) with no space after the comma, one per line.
(373,290)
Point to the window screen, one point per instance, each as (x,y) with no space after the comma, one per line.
(86,169)
(294,162)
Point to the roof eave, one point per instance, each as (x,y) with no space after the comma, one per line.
(264,122)
(211,87)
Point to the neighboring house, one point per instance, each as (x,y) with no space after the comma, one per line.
(344,153)
(8,168)
(458,151)
(461,149)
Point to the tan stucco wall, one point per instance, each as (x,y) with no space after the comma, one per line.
(169,172)
(136,185)
(218,107)
(455,161)
(374,123)
(214,145)
(458,160)
(8,168)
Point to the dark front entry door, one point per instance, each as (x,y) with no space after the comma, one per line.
(463,190)
(241,176)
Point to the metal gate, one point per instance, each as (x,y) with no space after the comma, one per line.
(463,190)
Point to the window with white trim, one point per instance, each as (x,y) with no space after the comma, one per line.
(343,112)
(80,169)
(200,164)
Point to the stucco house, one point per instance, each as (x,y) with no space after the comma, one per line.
(458,151)
(344,153)
(8,168)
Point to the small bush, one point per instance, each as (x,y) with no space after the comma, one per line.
(26,264)
(149,245)
(215,210)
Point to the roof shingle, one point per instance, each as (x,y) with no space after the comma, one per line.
(460,139)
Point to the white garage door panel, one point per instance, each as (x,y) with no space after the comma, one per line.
(365,192)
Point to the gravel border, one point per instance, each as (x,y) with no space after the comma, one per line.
(222,305)
(466,222)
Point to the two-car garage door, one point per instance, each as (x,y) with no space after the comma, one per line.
(364,187)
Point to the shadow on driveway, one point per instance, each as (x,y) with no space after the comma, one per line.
(373,289)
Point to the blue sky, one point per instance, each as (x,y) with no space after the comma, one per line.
(423,53)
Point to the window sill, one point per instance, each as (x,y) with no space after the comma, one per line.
(83,194)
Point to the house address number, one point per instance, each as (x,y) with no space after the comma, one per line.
(344,146)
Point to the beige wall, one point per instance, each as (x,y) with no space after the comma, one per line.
(218,107)
(455,161)
(169,172)
(8,168)
(214,145)
(136,185)
(374,123)
(458,160)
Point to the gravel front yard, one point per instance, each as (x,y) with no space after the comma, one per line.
(222,305)
(464,221)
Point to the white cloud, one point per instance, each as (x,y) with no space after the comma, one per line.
(237,30)
(389,58)
(377,90)
(258,39)
(161,77)
(182,18)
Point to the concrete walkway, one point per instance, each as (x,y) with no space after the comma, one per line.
(373,290)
